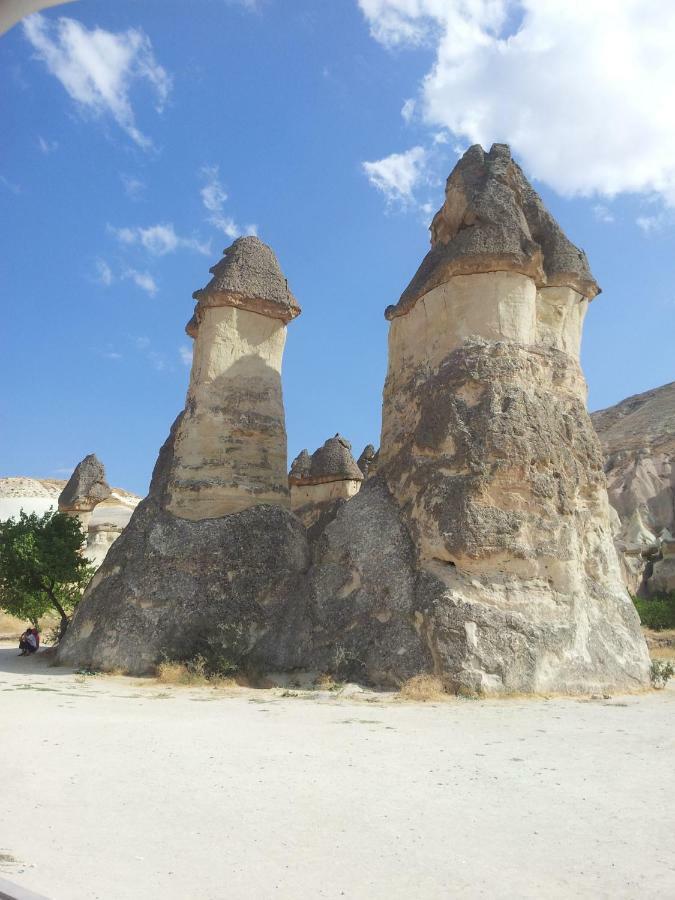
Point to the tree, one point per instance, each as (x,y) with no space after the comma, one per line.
(42,566)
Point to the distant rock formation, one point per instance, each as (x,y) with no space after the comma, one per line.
(638,440)
(367,462)
(481,550)
(39,495)
(86,488)
(320,482)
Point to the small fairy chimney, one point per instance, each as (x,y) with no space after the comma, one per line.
(230,444)
(317,481)
(86,488)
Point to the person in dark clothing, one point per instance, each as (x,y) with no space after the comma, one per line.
(29,641)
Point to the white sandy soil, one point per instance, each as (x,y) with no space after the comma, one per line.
(116,788)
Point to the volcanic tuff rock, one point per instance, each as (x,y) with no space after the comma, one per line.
(86,488)
(231,444)
(638,441)
(481,549)
(320,482)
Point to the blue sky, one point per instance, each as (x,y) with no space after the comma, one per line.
(141,137)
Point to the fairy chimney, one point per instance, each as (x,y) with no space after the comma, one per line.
(330,474)
(86,488)
(230,445)
(489,450)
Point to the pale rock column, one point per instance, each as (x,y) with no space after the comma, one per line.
(229,449)
(319,481)
(490,453)
(86,488)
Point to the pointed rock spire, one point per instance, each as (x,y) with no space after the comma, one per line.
(493,220)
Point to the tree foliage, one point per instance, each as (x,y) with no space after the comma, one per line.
(42,567)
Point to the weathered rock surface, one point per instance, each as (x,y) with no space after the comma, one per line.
(321,482)
(86,487)
(481,550)
(367,461)
(638,442)
(230,449)
(493,221)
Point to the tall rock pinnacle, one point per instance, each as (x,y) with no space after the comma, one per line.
(230,446)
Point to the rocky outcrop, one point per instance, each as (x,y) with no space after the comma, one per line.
(86,488)
(212,552)
(638,441)
(490,454)
(320,482)
(230,447)
(367,462)
(481,549)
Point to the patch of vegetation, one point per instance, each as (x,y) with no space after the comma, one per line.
(423,687)
(661,672)
(42,566)
(656,612)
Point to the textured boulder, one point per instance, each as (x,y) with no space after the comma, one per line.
(86,487)
(320,482)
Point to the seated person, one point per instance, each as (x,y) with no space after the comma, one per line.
(28,642)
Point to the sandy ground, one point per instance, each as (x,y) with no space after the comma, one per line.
(116,788)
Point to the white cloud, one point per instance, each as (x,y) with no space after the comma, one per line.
(104,273)
(650,224)
(213,196)
(47,146)
(408,109)
(399,174)
(185,355)
(98,68)
(603,213)
(143,280)
(133,187)
(141,343)
(581,91)
(158,239)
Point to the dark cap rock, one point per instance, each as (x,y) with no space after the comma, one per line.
(493,220)
(248,277)
(86,487)
(332,462)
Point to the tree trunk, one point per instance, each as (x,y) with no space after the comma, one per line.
(61,611)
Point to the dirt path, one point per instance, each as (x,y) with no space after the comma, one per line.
(117,789)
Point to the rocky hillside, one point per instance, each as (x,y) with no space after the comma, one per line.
(638,440)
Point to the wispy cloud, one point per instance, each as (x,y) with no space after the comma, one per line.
(104,273)
(97,68)
(408,109)
(133,187)
(397,175)
(185,354)
(214,196)
(10,185)
(158,239)
(46,146)
(603,214)
(143,280)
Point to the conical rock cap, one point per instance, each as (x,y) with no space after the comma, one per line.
(492,220)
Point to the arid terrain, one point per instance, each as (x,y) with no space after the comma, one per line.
(121,788)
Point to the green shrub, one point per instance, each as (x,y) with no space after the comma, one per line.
(657,612)
(661,673)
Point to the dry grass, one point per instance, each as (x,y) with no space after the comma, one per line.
(178,673)
(423,687)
